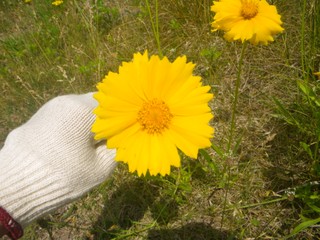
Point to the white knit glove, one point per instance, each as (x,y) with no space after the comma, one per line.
(52,159)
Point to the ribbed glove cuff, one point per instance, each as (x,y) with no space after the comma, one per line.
(28,191)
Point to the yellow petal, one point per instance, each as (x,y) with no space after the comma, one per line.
(119,140)
(105,128)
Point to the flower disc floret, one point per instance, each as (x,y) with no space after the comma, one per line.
(154,116)
(151,108)
(249,8)
(246,20)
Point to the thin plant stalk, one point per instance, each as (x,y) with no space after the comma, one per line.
(155,25)
(302,47)
(232,127)
(236,96)
(225,193)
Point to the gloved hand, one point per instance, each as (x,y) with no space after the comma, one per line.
(52,159)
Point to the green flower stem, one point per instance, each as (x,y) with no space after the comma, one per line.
(302,47)
(155,25)
(233,123)
(236,95)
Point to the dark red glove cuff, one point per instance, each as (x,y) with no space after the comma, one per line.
(14,229)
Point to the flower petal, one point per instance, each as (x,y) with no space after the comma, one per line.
(239,22)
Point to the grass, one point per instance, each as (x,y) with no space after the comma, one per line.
(47,51)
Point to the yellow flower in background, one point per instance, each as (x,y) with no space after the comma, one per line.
(57,2)
(150,109)
(252,20)
(317,74)
(27,1)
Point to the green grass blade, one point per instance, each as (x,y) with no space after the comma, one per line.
(303,226)
(209,160)
(218,150)
(285,114)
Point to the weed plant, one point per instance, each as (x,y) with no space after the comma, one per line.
(303,117)
(268,189)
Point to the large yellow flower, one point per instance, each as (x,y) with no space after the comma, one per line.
(151,108)
(253,20)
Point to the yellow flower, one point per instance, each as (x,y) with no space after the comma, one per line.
(57,2)
(27,1)
(151,108)
(253,20)
(317,74)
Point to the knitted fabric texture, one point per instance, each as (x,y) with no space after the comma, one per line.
(52,159)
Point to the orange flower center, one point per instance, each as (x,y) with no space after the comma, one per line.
(154,116)
(249,8)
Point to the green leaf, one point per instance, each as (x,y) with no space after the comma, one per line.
(306,147)
(285,114)
(218,150)
(304,225)
(208,158)
(304,87)
(308,91)
(314,208)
